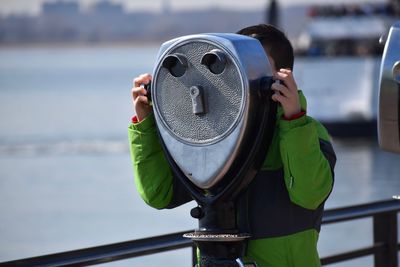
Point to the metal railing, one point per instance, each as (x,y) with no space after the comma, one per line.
(384,248)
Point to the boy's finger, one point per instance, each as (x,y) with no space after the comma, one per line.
(285,71)
(278,98)
(137,91)
(142,79)
(288,80)
(141,100)
(282,75)
(281,88)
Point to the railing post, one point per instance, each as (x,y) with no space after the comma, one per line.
(385,231)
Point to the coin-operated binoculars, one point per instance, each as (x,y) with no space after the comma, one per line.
(389,94)
(211,100)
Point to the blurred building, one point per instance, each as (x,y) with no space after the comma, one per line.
(60,9)
(106,21)
(105,8)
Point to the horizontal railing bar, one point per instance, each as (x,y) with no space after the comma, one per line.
(156,244)
(357,253)
(360,211)
(108,253)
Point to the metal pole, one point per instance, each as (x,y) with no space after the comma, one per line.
(385,231)
(272,14)
(396,6)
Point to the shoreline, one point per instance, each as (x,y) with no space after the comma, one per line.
(106,44)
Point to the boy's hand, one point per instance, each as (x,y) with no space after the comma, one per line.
(286,93)
(140,101)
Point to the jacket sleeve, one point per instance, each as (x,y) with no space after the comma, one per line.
(308,160)
(153,177)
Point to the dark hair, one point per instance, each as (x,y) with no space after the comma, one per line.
(274,41)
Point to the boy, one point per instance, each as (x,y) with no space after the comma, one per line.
(282,207)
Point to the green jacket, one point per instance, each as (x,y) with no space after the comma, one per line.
(295,149)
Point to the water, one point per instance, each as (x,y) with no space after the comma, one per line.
(65,176)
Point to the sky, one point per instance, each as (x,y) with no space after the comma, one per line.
(33,6)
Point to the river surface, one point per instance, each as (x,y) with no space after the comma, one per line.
(65,176)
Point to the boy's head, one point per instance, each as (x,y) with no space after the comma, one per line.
(275,43)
